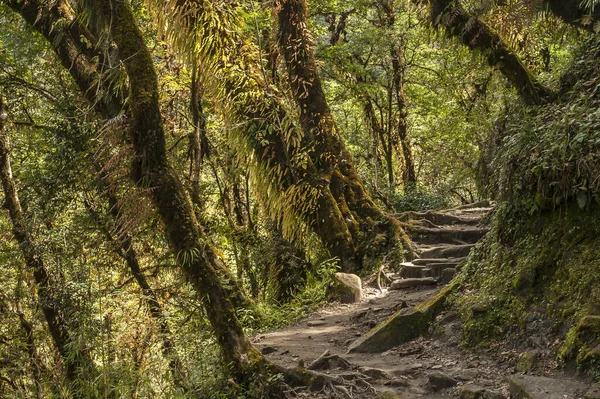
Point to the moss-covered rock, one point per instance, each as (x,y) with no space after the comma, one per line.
(404,325)
(346,288)
(582,344)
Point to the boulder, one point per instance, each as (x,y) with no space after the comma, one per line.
(346,288)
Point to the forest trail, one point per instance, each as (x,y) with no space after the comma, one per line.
(431,366)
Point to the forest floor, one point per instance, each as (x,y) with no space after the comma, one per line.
(432,366)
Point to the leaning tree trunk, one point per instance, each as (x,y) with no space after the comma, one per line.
(84,62)
(373,232)
(198,259)
(477,35)
(78,365)
(151,169)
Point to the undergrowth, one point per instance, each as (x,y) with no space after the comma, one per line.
(542,165)
(544,156)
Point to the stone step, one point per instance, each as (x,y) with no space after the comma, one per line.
(427,235)
(447,275)
(427,261)
(438,218)
(412,282)
(410,270)
(436,269)
(447,251)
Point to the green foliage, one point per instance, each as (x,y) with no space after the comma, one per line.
(535,159)
(525,263)
(543,157)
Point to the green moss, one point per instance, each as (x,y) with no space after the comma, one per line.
(548,262)
(404,325)
(582,344)
(527,361)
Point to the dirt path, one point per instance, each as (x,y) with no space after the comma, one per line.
(433,366)
(403,370)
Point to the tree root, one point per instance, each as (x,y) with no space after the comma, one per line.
(343,385)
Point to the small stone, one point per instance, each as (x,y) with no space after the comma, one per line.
(436,367)
(476,392)
(374,373)
(450,363)
(439,380)
(358,334)
(309,337)
(479,308)
(316,323)
(285,352)
(593,392)
(467,375)
(268,349)
(397,382)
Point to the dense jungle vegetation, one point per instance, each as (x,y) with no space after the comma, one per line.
(179,175)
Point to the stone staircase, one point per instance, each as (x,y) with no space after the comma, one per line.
(443,240)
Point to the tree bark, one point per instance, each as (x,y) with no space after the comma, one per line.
(195,255)
(477,35)
(409,174)
(72,45)
(365,221)
(78,365)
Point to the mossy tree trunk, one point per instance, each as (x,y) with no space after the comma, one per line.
(199,147)
(373,232)
(198,259)
(71,42)
(77,364)
(195,255)
(477,35)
